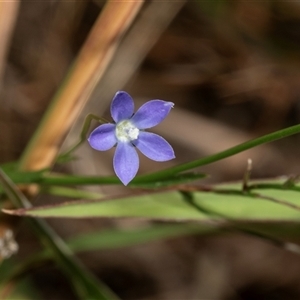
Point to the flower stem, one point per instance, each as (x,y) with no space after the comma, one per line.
(85,128)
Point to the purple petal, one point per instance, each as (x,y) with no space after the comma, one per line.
(121,107)
(151,113)
(103,137)
(154,146)
(126,162)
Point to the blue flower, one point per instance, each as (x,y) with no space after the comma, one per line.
(128,133)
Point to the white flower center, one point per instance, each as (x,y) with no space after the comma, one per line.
(126,131)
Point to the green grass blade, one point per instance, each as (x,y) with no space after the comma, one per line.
(112,239)
(46,179)
(90,180)
(159,176)
(227,202)
(271,137)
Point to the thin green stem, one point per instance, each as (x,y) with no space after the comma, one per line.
(85,128)
(40,178)
(74,180)
(221,155)
(273,186)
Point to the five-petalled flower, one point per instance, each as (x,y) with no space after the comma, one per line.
(129,133)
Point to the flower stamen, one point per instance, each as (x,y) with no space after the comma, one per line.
(126,131)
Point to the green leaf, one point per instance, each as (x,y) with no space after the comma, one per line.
(123,238)
(167,205)
(227,202)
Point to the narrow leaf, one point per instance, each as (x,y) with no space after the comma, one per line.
(227,202)
(124,238)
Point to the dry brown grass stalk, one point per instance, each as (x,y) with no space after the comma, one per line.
(87,70)
(8,15)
